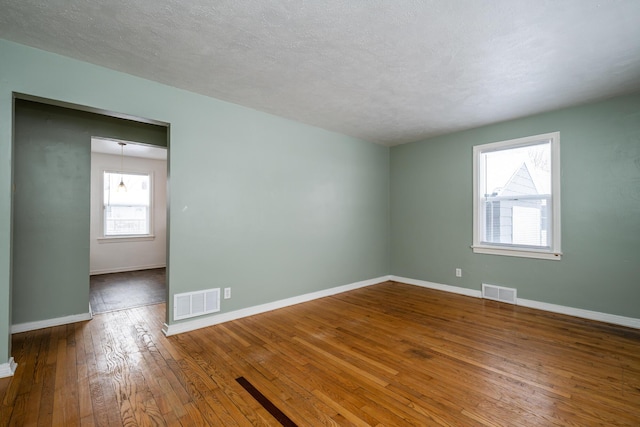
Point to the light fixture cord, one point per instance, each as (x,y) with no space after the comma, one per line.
(121,186)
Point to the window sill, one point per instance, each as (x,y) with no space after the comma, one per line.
(523,253)
(123,239)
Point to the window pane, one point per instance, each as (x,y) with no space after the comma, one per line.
(516,192)
(136,193)
(126,211)
(527,226)
(126,220)
(515,171)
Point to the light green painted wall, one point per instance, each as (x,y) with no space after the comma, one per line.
(275,208)
(431,219)
(270,207)
(6,112)
(51,212)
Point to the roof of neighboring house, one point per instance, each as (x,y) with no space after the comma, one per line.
(526,179)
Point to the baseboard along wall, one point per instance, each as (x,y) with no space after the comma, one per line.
(125,269)
(203,322)
(48,323)
(190,325)
(7,369)
(554,308)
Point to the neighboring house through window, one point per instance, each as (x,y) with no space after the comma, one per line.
(127,208)
(516,197)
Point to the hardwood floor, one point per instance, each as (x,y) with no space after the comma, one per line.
(389,354)
(117,291)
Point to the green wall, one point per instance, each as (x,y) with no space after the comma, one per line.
(431,217)
(52,165)
(275,208)
(270,207)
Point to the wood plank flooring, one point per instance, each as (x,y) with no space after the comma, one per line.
(386,355)
(117,291)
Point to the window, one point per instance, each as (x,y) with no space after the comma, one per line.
(516,197)
(127,207)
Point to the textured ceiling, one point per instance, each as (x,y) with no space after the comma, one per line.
(130,149)
(385,71)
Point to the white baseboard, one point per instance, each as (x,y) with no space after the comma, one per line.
(32,326)
(554,308)
(579,312)
(438,286)
(125,269)
(7,369)
(192,325)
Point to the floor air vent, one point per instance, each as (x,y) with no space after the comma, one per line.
(499,293)
(197,303)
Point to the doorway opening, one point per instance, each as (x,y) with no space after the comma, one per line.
(51,206)
(128,224)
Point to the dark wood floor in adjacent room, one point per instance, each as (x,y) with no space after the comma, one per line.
(117,291)
(389,354)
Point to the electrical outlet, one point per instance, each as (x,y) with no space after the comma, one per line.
(458,272)
(227,293)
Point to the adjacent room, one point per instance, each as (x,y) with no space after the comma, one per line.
(127,239)
(332,213)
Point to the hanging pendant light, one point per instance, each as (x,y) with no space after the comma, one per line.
(121,186)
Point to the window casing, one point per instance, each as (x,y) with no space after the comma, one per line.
(516,197)
(127,213)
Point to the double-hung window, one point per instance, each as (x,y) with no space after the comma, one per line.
(127,204)
(516,197)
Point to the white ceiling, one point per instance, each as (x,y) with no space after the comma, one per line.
(387,71)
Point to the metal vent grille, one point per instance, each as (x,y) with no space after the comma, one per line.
(499,293)
(191,304)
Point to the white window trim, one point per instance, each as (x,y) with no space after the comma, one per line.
(122,239)
(555,252)
(133,237)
